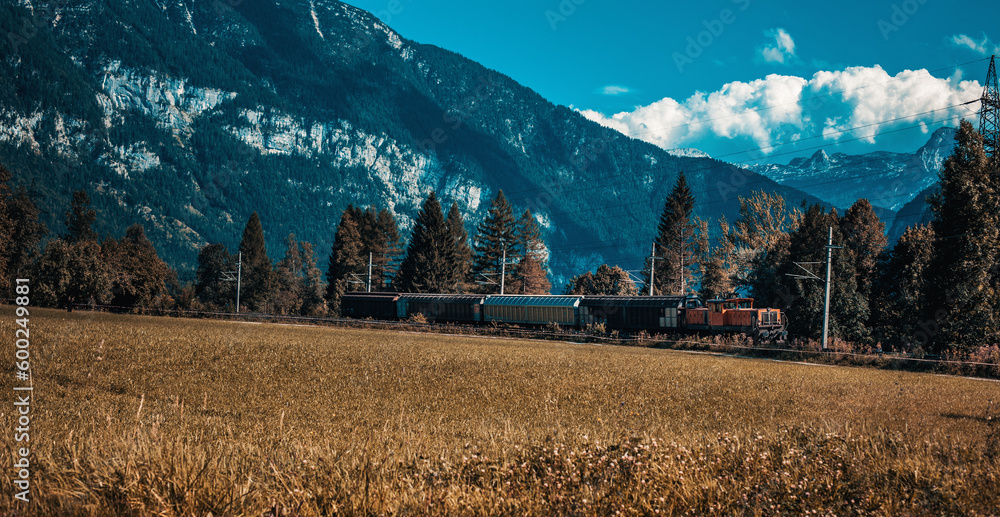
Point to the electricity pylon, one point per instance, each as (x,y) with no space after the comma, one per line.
(989,113)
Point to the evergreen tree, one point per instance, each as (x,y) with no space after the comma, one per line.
(425,269)
(897,301)
(26,234)
(495,239)
(211,286)
(20,231)
(460,256)
(138,274)
(530,276)
(259,281)
(345,260)
(864,235)
(7,243)
(676,244)
(313,303)
(386,250)
(80,219)
(380,243)
(962,283)
(74,270)
(291,285)
(848,308)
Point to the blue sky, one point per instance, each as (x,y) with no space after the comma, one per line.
(740,79)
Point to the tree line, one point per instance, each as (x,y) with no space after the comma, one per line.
(368,252)
(935,291)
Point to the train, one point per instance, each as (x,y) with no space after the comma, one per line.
(628,314)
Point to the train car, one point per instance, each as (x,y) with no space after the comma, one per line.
(458,308)
(380,306)
(532,310)
(653,313)
(736,315)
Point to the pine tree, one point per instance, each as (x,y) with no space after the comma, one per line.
(7,225)
(74,270)
(26,234)
(897,301)
(848,308)
(963,281)
(530,276)
(864,234)
(425,269)
(80,219)
(345,260)
(495,239)
(288,296)
(313,302)
(460,256)
(676,245)
(259,281)
(386,250)
(211,286)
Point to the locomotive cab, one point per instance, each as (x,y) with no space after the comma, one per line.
(736,315)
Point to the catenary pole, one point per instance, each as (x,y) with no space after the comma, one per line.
(503,270)
(239,277)
(826,305)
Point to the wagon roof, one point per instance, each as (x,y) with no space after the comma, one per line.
(534,301)
(635,301)
(443,298)
(361,294)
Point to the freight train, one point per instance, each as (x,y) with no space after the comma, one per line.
(653,314)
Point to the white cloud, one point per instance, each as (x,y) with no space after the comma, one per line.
(781,50)
(855,103)
(983,47)
(614,90)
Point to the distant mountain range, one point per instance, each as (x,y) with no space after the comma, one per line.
(898,183)
(188,116)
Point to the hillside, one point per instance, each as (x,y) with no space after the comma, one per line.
(188,116)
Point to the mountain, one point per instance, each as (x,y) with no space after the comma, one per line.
(888,180)
(188,116)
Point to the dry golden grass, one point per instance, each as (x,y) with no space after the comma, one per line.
(156,416)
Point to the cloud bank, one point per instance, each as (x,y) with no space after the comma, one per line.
(761,115)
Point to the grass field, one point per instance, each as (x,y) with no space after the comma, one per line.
(157,416)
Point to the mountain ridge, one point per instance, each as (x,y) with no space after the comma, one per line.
(187,117)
